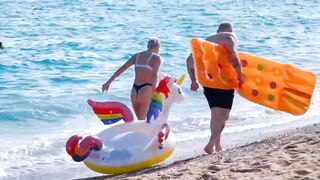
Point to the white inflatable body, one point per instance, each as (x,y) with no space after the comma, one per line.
(131,146)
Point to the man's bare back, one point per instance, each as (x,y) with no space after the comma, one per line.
(223,39)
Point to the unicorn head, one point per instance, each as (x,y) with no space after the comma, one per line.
(167,93)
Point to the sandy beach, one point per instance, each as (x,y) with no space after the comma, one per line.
(292,154)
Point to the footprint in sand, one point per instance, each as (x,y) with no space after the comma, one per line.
(228,161)
(314,142)
(284,163)
(176,175)
(182,170)
(279,173)
(297,177)
(216,168)
(293,154)
(256,164)
(245,170)
(264,166)
(303,141)
(290,146)
(302,172)
(261,165)
(209,177)
(164,176)
(262,158)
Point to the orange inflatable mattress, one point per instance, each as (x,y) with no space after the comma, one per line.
(269,83)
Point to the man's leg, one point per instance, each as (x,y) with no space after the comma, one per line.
(217,143)
(218,119)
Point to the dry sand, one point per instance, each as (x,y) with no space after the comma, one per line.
(293,154)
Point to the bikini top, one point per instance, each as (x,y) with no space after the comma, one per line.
(146,65)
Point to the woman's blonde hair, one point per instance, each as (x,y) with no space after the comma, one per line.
(153,41)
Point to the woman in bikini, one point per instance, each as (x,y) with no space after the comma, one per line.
(147,65)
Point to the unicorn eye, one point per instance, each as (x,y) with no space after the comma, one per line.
(179,90)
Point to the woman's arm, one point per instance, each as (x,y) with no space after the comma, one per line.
(123,68)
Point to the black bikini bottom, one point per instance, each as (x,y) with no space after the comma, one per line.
(138,87)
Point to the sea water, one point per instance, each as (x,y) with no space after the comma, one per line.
(58,54)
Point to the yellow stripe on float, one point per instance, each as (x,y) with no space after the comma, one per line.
(109,116)
(129,168)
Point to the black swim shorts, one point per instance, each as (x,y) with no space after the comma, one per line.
(219,97)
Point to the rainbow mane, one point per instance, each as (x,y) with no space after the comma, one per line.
(156,104)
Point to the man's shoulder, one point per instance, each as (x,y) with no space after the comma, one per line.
(212,38)
(222,35)
(228,36)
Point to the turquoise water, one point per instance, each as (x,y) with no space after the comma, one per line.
(58,54)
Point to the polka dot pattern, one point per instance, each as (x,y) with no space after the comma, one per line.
(244,63)
(260,67)
(273,85)
(270,97)
(254,92)
(276,72)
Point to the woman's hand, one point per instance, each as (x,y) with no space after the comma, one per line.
(105,86)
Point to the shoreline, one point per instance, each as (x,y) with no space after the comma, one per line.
(285,154)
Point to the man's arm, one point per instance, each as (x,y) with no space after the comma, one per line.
(230,44)
(190,67)
(192,73)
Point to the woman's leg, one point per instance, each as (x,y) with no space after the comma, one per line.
(134,101)
(143,102)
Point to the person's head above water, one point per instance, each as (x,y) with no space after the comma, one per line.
(154,44)
(225,27)
(1,46)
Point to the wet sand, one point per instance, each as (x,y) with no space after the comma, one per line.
(291,154)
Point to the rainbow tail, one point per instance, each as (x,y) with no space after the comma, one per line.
(80,151)
(111,112)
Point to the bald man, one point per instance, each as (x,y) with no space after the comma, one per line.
(220,101)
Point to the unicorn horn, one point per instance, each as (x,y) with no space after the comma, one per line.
(181,79)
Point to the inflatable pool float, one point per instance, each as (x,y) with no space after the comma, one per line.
(130,145)
(269,83)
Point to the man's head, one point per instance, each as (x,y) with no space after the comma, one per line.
(225,27)
(154,44)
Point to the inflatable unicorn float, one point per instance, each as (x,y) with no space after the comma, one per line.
(130,145)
